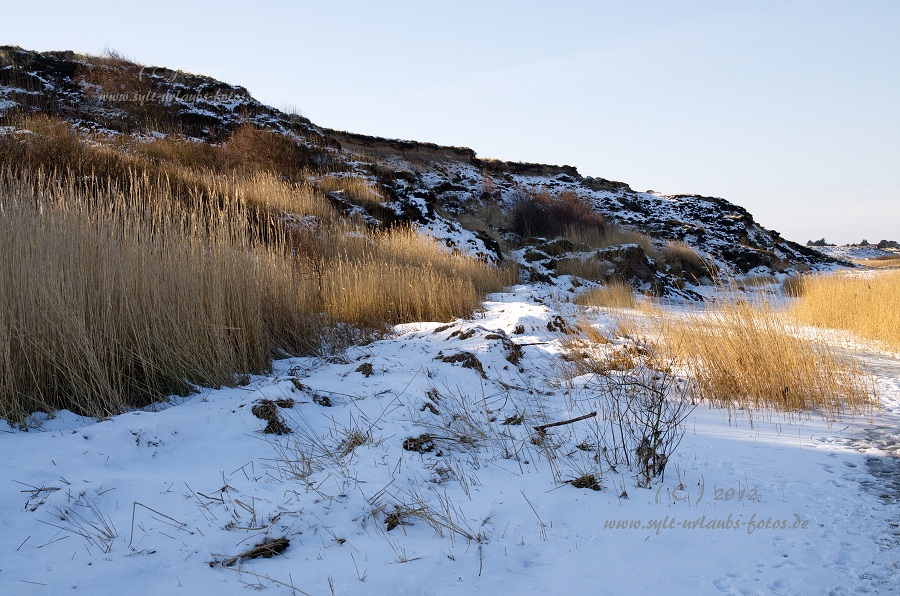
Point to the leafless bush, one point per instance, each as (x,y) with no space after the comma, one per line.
(644,409)
(546,215)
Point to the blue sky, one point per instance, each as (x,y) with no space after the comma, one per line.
(787,108)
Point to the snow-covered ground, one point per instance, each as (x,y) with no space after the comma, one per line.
(143,503)
(855,252)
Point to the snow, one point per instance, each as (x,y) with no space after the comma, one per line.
(711,225)
(854,251)
(196,481)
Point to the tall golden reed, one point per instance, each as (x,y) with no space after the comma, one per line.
(865,304)
(742,353)
(113,295)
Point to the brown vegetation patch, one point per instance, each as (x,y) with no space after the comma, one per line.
(268,411)
(321,400)
(545,215)
(590,268)
(557,323)
(867,305)
(463,335)
(686,261)
(588,481)
(744,355)
(467,360)
(611,295)
(514,352)
(421,444)
(266,549)
(515,420)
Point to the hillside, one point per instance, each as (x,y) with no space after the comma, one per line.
(239,351)
(467,201)
(457,182)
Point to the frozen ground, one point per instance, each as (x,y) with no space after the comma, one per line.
(144,502)
(854,251)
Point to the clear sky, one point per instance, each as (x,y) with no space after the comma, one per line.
(788,108)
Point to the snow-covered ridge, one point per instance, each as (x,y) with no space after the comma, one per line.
(64,84)
(442,189)
(455,181)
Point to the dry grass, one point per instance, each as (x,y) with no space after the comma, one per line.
(111,299)
(739,355)
(590,268)
(372,292)
(744,355)
(793,286)
(885,262)
(758,281)
(174,150)
(112,295)
(612,295)
(267,192)
(610,234)
(397,276)
(685,259)
(354,188)
(582,356)
(132,270)
(867,305)
(54,144)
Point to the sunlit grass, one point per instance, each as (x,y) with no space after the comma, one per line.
(612,295)
(867,305)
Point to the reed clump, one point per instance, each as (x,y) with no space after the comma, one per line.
(615,294)
(744,354)
(114,294)
(867,305)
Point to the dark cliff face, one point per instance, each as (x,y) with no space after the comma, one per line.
(720,230)
(113,94)
(449,190)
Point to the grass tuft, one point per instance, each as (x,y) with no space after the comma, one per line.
(612,295)
(684,259)
(354,188)
(744,355)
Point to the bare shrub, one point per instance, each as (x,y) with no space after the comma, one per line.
(642,404)
(645,410)
(546,215)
